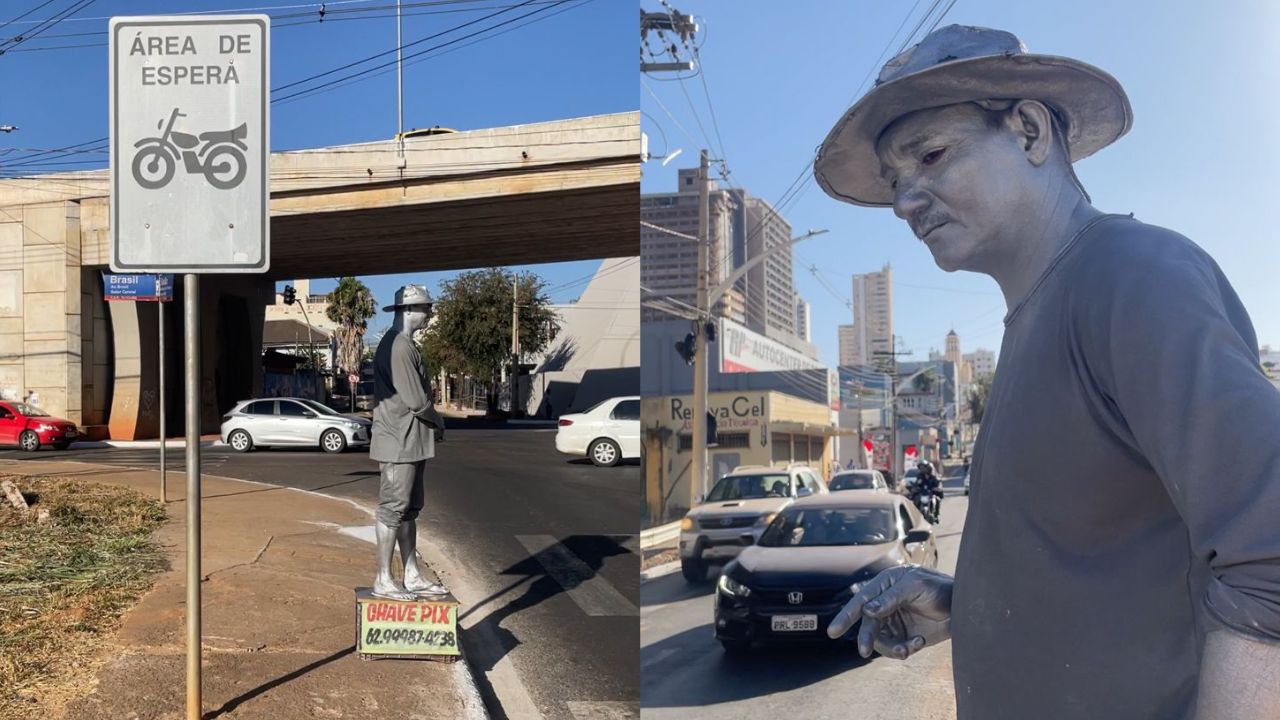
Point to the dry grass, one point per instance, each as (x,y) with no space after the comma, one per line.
(65,584)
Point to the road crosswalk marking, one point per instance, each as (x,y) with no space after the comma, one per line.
(583,585)
(582,710)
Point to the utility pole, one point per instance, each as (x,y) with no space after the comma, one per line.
(660,22)
(399,92)
(894,455)
(698,478)
(515,340)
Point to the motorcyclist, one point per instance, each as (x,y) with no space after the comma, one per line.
(927,482)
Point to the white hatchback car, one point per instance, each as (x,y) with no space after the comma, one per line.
(292,421)
(607,433)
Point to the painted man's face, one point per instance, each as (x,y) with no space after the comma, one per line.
(416,317)
(957,183)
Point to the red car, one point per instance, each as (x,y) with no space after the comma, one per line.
(29,427)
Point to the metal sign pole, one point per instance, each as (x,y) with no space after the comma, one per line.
(164,465)
(191,328)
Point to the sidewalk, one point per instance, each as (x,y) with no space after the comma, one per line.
(278,615)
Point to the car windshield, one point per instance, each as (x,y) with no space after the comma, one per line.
(852,481)
(320,407)
(29,410)
(826,527)
(750,487)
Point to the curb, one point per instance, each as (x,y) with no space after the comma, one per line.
(535,423)
(658,571)
(141,444)
(466,673)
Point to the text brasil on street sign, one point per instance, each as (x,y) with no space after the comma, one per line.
(189,144)
(137,287)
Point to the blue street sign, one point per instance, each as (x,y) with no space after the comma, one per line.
(137,287)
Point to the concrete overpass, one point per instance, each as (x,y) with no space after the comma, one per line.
(544,192)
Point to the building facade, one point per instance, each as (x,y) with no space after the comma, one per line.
(740,227)
(872,315)
(982,363)
(846,339)
(804,328)
(765,427)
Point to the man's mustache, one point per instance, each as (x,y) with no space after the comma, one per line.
(925,221)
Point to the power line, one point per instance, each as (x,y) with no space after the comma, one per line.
(422,52)
(51,21)
(14,20)
(375,56)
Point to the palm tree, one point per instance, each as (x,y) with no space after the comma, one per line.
(350,306)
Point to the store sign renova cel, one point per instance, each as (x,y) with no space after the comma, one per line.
(741,411)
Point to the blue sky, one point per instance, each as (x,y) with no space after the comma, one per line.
(571,59)
(1203,157)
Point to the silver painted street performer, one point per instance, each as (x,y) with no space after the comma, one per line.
(1121,553)
(405,429)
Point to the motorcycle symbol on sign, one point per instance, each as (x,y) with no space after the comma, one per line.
(220,159)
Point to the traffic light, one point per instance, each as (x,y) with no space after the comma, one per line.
(290,295)
(711,332)
(712,440)
(686,348)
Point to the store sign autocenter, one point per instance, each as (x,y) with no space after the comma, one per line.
(738,412)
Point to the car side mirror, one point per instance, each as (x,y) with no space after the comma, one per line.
(308,413)
(803,492)
(918,536)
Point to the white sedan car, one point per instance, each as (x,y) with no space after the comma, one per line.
(292,421)
(607,433)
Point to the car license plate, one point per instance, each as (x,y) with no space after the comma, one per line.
(70,433)
(795,623)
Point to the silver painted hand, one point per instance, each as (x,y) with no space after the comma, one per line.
(902,610)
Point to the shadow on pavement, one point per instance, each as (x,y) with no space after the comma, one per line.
(235,702)
(724,678)
(490,641)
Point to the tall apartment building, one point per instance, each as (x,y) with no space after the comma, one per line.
(872,315)
(846,345)
(804,328)
(981,362)
(669,263)
(741,227)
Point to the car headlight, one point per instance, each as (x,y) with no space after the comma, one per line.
(688,523)
(42,427)
(729,586)
(766,519)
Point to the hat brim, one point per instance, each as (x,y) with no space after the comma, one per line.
(389,308)
(1095,108)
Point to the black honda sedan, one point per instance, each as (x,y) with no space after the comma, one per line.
(811,560)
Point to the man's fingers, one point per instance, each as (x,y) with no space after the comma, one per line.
(890,601)
(853,610)
(848,615)
(867,636)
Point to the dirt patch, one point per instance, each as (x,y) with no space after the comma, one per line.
(65,583)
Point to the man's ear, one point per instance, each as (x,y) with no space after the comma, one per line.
(1033,123)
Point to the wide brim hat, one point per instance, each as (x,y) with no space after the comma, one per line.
(958,64)
(410,296)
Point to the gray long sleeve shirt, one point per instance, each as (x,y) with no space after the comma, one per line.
(404,420)
(1125,489)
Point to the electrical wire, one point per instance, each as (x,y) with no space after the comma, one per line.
(392,63)
(375,56)
(14,20)
(51,21)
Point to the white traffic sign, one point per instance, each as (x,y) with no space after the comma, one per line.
(190,144)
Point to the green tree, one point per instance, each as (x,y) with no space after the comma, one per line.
(350,307)
(978,398)
(471,331)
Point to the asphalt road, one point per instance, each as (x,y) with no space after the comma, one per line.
(541,550)
(685,673)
